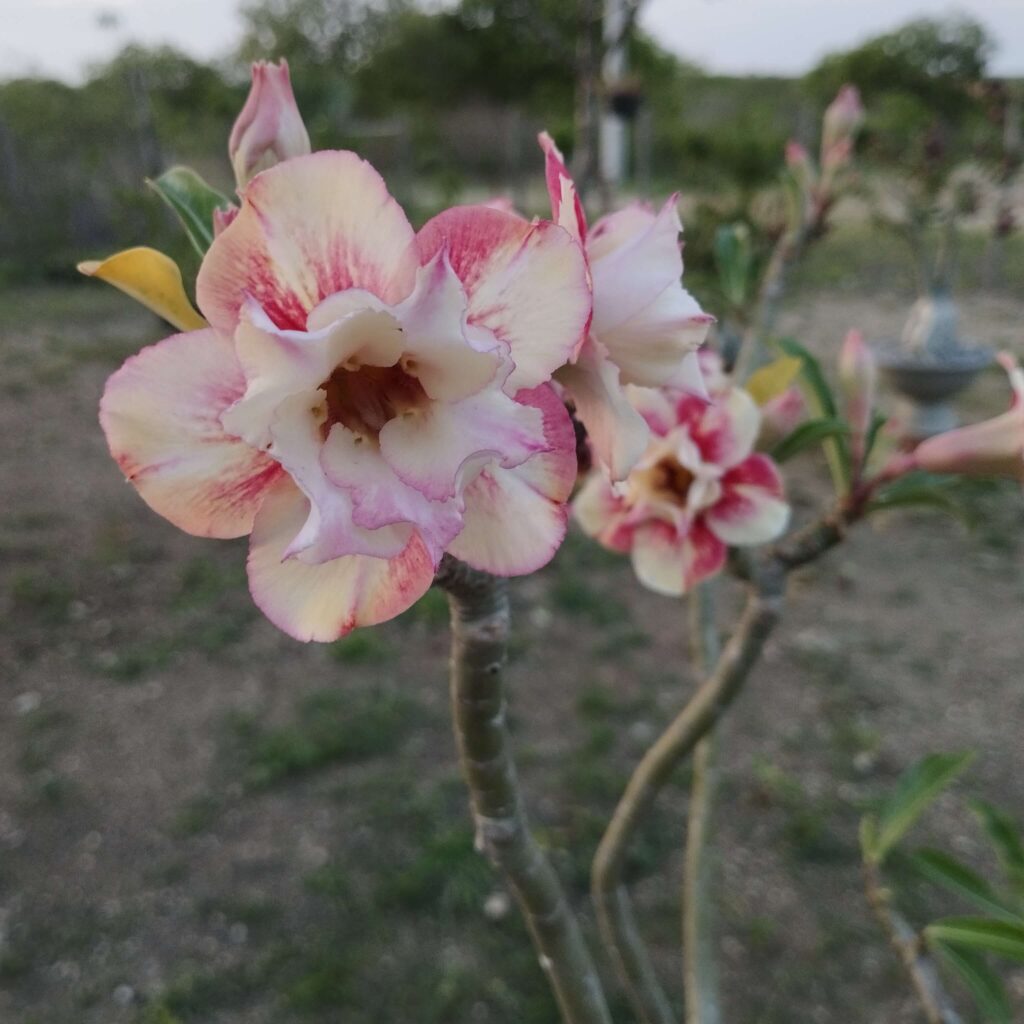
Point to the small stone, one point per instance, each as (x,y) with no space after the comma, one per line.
(238,933)
(864,761)
(497,906)
(124,995)
(26,703)
(541,617)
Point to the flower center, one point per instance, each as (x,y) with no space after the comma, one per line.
(365,398)
(666,481)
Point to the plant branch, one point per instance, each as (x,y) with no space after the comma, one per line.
(480,627)
(610,895)
(700,979)
(923,974)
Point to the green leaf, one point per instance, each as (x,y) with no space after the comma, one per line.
(818,390)
(916,790)
(878,420)
(807,434)
(984,984)
(1005,938)
(923,489)
(1005,836)
(951,874)
(734,257)
(193,202)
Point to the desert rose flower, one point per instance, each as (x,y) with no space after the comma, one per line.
(365,399)
(646,327)
(269,129)
(993,448)
(697,489)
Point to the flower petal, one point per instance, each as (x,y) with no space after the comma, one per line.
(161,415)
(526,282)
(437,349)
(566,208)
(616,229)
(751,509)
(379,498)
(308,228)
(671,563)
(617,432)
(515,519)
(602,514)
(326,601)
(652,346)
(724,430)
(329,531)
(437,449)
(631,275)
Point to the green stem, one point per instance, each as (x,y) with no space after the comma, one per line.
(480,628)
(700,975)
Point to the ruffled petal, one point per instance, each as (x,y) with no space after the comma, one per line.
(378,496)
(161,415)
(652,347)
(724,430)
(566,208)
(330,530)
(279,363)
(308,228)
(672,563)
(617,432)
(601,513)
(515,519)
(326,601)
(438,449)
(438,351)
(630,276)
(751,509)
(526,282)
(614,230)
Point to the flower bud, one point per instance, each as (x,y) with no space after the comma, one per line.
(222,218)
(842,121)
(857,374)
(993,448)
(269,129)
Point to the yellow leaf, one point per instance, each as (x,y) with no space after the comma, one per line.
(770,381)
(149,277)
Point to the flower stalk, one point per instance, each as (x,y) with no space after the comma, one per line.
(700,975)
(480,628)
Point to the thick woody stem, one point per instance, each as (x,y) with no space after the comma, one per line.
(700,977)
(611,897)
(935,1003)
(480,628)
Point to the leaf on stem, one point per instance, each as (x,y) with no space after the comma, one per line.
(984,984)
(1004,938)
(771,380)
(193,202)
(810,433)
(917,789)
(956,877)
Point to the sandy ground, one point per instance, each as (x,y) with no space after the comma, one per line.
(201,820)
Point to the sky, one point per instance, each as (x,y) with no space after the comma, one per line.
(60,38)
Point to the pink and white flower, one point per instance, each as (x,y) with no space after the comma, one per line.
(646,327)
(365,398)
(269,128)
(992,448)
(697,490)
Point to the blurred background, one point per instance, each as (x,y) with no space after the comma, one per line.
(201,820)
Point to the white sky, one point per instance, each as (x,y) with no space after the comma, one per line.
(59,37)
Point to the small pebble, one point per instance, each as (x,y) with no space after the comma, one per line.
(26,703)
(497,906)
(124,995)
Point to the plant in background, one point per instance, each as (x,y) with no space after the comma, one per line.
(383,410)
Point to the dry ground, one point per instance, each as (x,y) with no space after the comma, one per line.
(201,820)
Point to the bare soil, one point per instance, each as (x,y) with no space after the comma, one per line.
(202,820)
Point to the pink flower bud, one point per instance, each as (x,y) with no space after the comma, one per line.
(781,415)
(222,218)
(994,447)
(269,129)
(842,121)
(857,374)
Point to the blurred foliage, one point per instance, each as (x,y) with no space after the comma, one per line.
(445,101)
